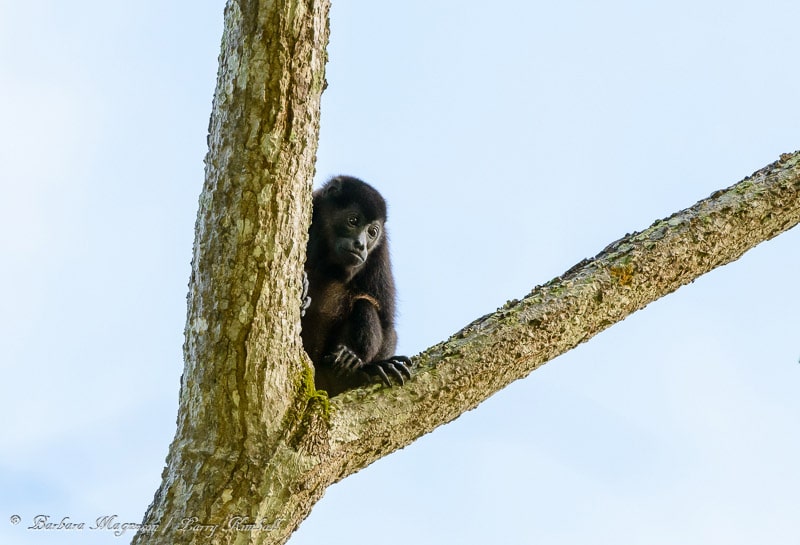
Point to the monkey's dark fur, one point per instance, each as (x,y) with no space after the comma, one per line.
(348,325)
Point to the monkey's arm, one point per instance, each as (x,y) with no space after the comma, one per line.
(365,347)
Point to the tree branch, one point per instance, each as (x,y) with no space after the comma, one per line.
(497,349)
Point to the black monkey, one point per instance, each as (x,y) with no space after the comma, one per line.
(348,324)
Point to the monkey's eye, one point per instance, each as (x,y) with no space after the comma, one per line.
(352,221)
(373,231)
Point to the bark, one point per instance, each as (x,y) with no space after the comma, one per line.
(256,445)
(247,382)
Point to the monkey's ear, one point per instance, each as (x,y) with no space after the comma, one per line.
(334,187)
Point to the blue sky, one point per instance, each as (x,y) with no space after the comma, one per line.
(511,141)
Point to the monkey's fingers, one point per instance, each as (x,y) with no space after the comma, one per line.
(405,360)
(377,369)
(305,300)
(351,363)
(397,371)
(396,366)
(345,361)
(405,370)
(401,364)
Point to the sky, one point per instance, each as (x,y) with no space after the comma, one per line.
(511,140)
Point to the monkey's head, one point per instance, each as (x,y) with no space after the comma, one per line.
(348,220)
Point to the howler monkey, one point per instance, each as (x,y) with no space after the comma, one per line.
(348,324)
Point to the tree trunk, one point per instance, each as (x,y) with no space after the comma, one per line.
(247,382)
(256,445)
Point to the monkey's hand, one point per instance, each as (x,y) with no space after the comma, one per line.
(346,362)
(305,300)
(396,366)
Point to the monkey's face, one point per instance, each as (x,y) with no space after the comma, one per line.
(354,237)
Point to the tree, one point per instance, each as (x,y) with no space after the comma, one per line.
(256,445)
